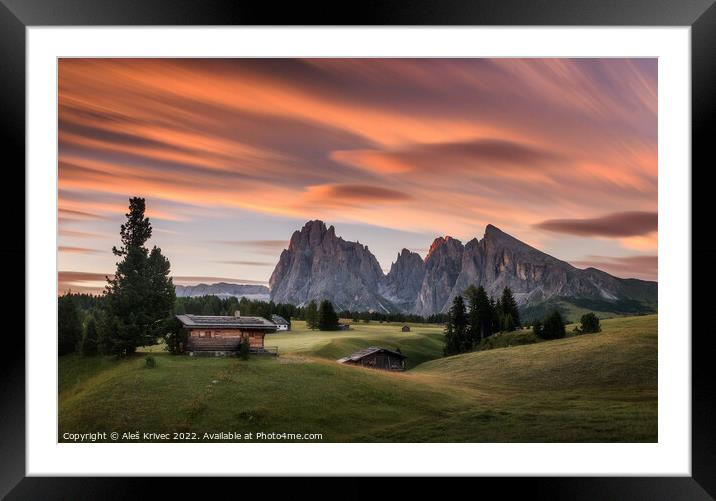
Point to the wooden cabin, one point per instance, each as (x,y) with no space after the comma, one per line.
(222,335)
(406,328)
(376,357)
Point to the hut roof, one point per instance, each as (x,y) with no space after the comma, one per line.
(221,322)
(354,357)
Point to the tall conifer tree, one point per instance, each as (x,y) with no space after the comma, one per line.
(140,296)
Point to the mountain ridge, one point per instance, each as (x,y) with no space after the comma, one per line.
(224,290)
(320,265)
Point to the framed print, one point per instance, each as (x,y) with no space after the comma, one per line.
(418,242)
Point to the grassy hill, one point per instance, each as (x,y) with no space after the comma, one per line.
(422,343)
(572,308)
(594,388)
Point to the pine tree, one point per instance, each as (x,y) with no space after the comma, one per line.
(104,332)
(140,297)
(509,308)
(312,315)
(451,343)
(553,326)
(89,338)
(508,325)
(498,316)
(327,318)
(476,299)
(537,328)
(485,312)
(69,325)
(457,337)
(481,314)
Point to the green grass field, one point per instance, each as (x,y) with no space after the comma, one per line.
(589,388)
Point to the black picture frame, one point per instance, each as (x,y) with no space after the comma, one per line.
(700,15)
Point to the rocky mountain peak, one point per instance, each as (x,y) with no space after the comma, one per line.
(442,267)
(406,257)
(493,233)
(320,265)
(440,242)
(405,253)
(404,280)
(313,234)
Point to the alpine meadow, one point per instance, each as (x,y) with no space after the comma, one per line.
(357,250)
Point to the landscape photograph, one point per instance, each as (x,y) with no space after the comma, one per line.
(357,250)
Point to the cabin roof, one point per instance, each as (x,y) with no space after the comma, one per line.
(279,320)
(221,322)
(354,357)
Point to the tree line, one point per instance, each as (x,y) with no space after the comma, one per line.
(214,305)
(321,316)
(468,324)
(377,316)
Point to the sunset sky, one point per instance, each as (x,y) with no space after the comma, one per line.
(233,155)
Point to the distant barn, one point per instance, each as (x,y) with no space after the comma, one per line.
(406,328)
(281,323)
(376,357)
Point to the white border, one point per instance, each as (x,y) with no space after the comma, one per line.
(670,456)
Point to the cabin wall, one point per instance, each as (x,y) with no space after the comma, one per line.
(222,339)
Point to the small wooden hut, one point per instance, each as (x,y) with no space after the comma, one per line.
(376,357)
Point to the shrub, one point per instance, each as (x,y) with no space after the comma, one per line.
(553,326)
(244,348)
(590,323)
(507,339)
(149,362)
(537,328)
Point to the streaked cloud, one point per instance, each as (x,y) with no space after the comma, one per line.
(257,245)
(474,154)
(77,214)
(249,263)
(644,267)
(78,250)
(618,224)
(81,281)
(348,195)
(191,280)
(66,232)
(428,146)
